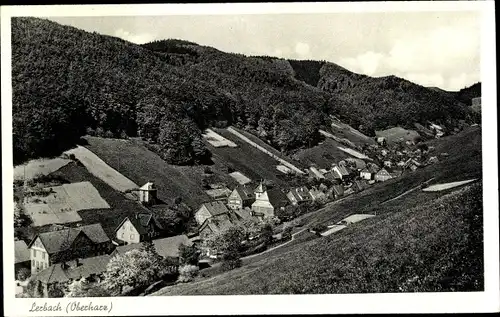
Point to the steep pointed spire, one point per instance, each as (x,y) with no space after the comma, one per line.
(261,188)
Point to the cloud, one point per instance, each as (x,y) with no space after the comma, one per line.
(135,38)
(462,80)
(366,63)
(302,49)
(445,48)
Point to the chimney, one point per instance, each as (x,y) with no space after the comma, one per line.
(64,265)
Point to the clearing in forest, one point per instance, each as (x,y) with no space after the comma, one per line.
(217,140)
(96,166)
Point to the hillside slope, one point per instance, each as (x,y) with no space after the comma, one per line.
(418,241)
(436,246)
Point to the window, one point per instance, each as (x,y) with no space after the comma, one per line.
(131,237)
(33,263)
(43,255)
(34,253)
(123,234)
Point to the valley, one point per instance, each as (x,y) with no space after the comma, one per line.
(218,173)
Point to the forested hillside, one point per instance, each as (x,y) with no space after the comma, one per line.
(67,83)
(466,94)
(377,103)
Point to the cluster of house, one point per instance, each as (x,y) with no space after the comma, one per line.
(243,203)
(62,254)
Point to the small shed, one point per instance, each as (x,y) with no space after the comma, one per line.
(148,193)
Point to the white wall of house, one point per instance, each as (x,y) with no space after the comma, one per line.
(202,214)
(128,233)
(366,175)
(234,201)
(40,259)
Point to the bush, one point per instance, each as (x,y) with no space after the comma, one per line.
(187,273)
(287,232)
(230,264)
(23,274)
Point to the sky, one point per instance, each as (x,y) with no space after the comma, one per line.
(440,49)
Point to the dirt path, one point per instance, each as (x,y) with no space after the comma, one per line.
(407,192)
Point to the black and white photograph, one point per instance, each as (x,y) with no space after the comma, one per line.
(153,153)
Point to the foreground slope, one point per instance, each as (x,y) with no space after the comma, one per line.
(434,247)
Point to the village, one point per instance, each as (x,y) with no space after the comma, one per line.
(264,214)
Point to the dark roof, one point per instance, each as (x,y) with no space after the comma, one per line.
(60,240)
(166,247)
(360,184)
(338,189)
(218,223)
(277,198)
(216,208)
(85,268)
(343,170)
(244,214)
(22,253)
(244,192)
(140,222)
(301,193)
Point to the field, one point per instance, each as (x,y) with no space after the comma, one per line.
(394,134)
(37,167)
(288,161)
(141,166)
(62,205)
(119,205)
(240,178)
(440,187)
(102,170)
(354,153)
(246,159)
(345,131)
(436,246)
(217,140)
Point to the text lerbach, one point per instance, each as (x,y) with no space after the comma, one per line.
(72,306)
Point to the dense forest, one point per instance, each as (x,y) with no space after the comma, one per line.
(466,94)
(68,82)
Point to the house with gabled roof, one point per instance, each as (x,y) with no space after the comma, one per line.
(242,196)
(62,245)
(148,193)
(165,247)
(360,185)
(243,214)
(369,171)
(299,195)
(21,256)
(341,171)
(138,228)
(338,191)
(215,224)
(210,209)
(383,174)
(91,268)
